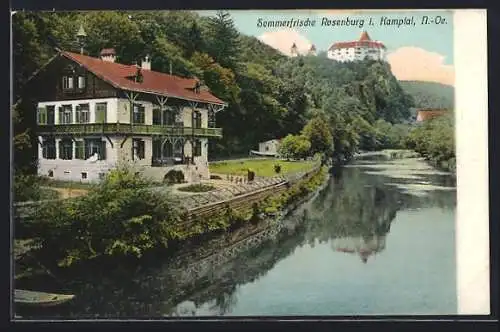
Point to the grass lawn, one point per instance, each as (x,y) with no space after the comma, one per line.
(66,184)
(261,167)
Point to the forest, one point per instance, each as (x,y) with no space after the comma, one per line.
(269,95)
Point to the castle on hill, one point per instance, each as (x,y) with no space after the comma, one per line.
(349,51)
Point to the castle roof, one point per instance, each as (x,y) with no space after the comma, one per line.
(363,41)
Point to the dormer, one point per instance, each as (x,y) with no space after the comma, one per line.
(108,54)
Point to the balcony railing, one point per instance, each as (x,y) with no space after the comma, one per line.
(170,161)
(125,128)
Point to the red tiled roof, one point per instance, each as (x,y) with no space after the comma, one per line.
(153,82)
(427,113)
(364,36)
(364,41)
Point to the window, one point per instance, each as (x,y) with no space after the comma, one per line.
(65,114)
(101,110)
(169,117)
(82,113)
(51,174)
(196,119)
(84,175)
(81,82)
(211,119)
(95,147)
(156,115)
(66,149)
(49,148)
(42,115)
(68,83)
(139,114)
(138,148)
(196,148)
(51,115)
(79,150)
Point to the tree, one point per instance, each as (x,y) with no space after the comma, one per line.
(295,147)
(224,39)
(319,134)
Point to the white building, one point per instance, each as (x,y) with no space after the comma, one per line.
(361,49)
(268,148)
(94,113)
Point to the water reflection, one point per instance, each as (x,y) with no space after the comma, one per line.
(353,214)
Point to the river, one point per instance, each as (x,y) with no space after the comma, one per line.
(378,239)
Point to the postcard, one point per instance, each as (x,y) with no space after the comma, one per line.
(244,163)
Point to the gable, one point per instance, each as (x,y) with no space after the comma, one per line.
(47,84)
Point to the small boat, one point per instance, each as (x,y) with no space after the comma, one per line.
(40,299)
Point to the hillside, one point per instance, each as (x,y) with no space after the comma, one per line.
(429,94)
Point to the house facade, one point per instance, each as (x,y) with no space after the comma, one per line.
(424,114)
(364,48)
(94,114)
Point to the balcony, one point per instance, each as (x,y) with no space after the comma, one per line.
(125,128)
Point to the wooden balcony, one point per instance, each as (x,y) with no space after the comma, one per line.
(125,128)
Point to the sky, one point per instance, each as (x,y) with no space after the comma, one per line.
(415,52)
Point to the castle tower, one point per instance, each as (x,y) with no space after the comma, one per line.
(294,51)
(312,50)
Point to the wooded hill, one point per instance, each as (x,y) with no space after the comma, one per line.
(430,94)
(269,94)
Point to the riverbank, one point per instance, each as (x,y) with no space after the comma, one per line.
(193,229)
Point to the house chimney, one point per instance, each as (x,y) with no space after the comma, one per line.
(108,54)
(146,63)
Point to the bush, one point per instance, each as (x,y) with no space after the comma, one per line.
(251,175)
(277,168)
(119,217)
(197,188)
(174,176)
(26,188)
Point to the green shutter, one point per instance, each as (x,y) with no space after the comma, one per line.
(78,114)
(79,150)
(61,112)
(42,115)
(100,113)
(102,154)
(60,150)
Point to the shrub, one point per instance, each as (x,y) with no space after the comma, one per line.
(277,168)
(197,188)
(119,217)
(174,176)
(251,175)
(26,188)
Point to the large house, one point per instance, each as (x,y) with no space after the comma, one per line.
(364,48)
(424,114)
(94,113)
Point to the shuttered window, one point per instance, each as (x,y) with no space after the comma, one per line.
(138,149)
(79,150)
(66,114)
(95,146)
(197,148)
(139,114)
(66,149)
(51,116)
(101,112)
(42,116)
(49,148)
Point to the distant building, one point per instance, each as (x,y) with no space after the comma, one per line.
(312,50)
(294,50)
(357,50)
(268,148)
(424,114)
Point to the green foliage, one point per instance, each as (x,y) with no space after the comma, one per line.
(197,188)
(250,175)
(277,168)
(26,188)
(120,217)
(173,177)
(295,147)
(435,140)
(430,94)
(319,134)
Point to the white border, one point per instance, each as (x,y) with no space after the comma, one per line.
(471,98)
